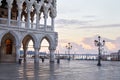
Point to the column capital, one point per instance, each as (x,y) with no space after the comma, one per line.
(53,12)
(18,46)
(29,4)
(36,47)
(54,3)
(0,2)
(38,5)
(20,3)
(9,2)
(46,8)
(52,48)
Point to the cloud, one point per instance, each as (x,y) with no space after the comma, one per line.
(99,26)
(116,44)
(76,48)
(110,45)
(108,26)
(89,16)
(82,24)
(87,45)
(72,22)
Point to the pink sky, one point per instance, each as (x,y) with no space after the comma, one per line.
(80,22)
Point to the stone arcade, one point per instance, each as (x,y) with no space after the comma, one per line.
(20,22)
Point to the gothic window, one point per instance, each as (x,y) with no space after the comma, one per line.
(8,43)
(4,4)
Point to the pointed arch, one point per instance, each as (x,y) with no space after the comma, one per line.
(25,39)
(8,48)
(48,38)
(12,33)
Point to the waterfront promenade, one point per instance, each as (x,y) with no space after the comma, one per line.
(66,70)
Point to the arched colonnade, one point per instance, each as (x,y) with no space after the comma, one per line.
(11,42)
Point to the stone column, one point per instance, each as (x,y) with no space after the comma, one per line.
(17,53)
(28,18)
(52,23)
(19,3)
(45,23)
(19,17)
(36,48)
(52,56)
(53,15)
(38,7)
(9,2)
(0,2)
(37,20)
(45,12)
(36,59)
(25,52)
(29,7)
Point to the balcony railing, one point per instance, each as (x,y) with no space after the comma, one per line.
(23,25)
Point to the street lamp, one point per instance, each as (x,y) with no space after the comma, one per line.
(99,44)
(69,47)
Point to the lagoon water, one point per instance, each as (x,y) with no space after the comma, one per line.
(66,70)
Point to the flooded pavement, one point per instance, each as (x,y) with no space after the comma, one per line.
(66,70)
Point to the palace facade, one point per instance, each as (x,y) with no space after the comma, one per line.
(25,20)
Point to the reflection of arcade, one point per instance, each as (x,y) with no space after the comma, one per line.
(8,43)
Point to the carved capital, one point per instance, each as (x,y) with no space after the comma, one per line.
(46,7)
(52,47)
(29,4)
(9,2)
(18,46)
(36,46)
(38,6)
(0,2)
(20,3)
(53,12)
(54,3)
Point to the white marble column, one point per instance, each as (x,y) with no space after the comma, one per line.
(52,55)
(9,2)
(25,53)
(19,17)
(52,23)
(37,20)
(29,8)
(53,15)
(45,23)
(46,7)
(0,2)
(17,53)
(28,19)
(36,59)
(38,7)
(19,3)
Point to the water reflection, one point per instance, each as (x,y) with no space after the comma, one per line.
(52,72)
(36,72)
(73,70)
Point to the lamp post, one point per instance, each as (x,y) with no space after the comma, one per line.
(69,47)
(99,44)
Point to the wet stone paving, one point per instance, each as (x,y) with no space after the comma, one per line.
(66,70)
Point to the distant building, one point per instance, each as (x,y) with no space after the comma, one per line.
(115,56)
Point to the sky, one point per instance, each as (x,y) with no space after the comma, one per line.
(80,22)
